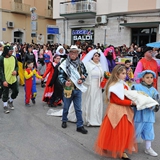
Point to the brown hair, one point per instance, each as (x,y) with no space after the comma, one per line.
(114,78)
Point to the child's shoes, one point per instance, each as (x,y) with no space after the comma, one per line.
(27,105)
(151,152)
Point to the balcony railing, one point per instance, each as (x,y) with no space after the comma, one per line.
(20,8)
(80,6)
(49,13)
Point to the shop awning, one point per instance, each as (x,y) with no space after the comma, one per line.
(141,24)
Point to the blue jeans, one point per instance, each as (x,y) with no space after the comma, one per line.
(76,97)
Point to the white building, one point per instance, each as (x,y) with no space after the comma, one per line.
(113,22)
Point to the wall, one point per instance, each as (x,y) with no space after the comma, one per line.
(110,6)
(56,9)
(141,5)
(158,4)
(23,22)
(0,21)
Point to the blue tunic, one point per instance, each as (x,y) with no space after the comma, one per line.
(145,115)
(144,119)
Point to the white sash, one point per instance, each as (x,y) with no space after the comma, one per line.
(74,76)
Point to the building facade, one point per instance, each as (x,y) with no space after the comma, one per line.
(108,22)
(17,24)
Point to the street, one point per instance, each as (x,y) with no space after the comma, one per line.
(28,133)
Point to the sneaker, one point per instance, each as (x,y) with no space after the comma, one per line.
(27,105)
(10,104)
(151,152)
(64,124)
(82,130)
(6,110)
(33,101)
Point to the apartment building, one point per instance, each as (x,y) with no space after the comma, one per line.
(113,22)
(26,20)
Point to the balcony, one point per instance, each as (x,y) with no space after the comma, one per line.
(20,8)
(49,13)
(80,9)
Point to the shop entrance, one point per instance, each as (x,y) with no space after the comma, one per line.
(142,36)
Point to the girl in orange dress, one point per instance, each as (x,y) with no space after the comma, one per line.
(116,135)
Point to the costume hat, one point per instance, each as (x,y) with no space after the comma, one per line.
(74,47)
(6,50)
(141,75)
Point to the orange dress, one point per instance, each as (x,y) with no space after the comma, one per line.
(116,133)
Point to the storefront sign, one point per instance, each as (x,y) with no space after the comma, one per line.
(82,37)
(81,32)
(51,30)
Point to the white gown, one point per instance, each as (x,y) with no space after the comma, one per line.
(92,99)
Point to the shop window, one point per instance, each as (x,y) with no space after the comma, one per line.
(142,36)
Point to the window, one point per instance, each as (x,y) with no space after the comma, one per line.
(50,4)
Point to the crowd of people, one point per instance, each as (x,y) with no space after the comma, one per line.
(73,75)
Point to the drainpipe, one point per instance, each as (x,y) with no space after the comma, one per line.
(64,31)
(105,36)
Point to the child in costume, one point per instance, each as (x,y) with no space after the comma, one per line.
(116,135)
(130,76)
(30,75)
(144,119)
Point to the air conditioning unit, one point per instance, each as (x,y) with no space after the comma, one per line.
(10,24)
(101,19)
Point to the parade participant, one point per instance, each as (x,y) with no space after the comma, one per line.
(73,73)
(88,48)
(144,119)
(41,66)
(129,74)
(147,63)
(47,55)
(48,91)
(1,49)
(29,56)
(116,135)
(110,56)
(30,75)
(92,99)
(58,89)
(61,52)
(20,65)
(8,75)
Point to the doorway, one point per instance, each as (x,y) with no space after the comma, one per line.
(142,36)
(18,37)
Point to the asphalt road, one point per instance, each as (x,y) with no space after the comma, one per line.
(28,133)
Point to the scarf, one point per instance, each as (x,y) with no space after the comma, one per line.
(75,63)
(147,85)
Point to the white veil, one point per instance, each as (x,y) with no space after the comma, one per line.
(57,51)
(103,59)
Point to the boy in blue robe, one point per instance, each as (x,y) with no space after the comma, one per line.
(144,119)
